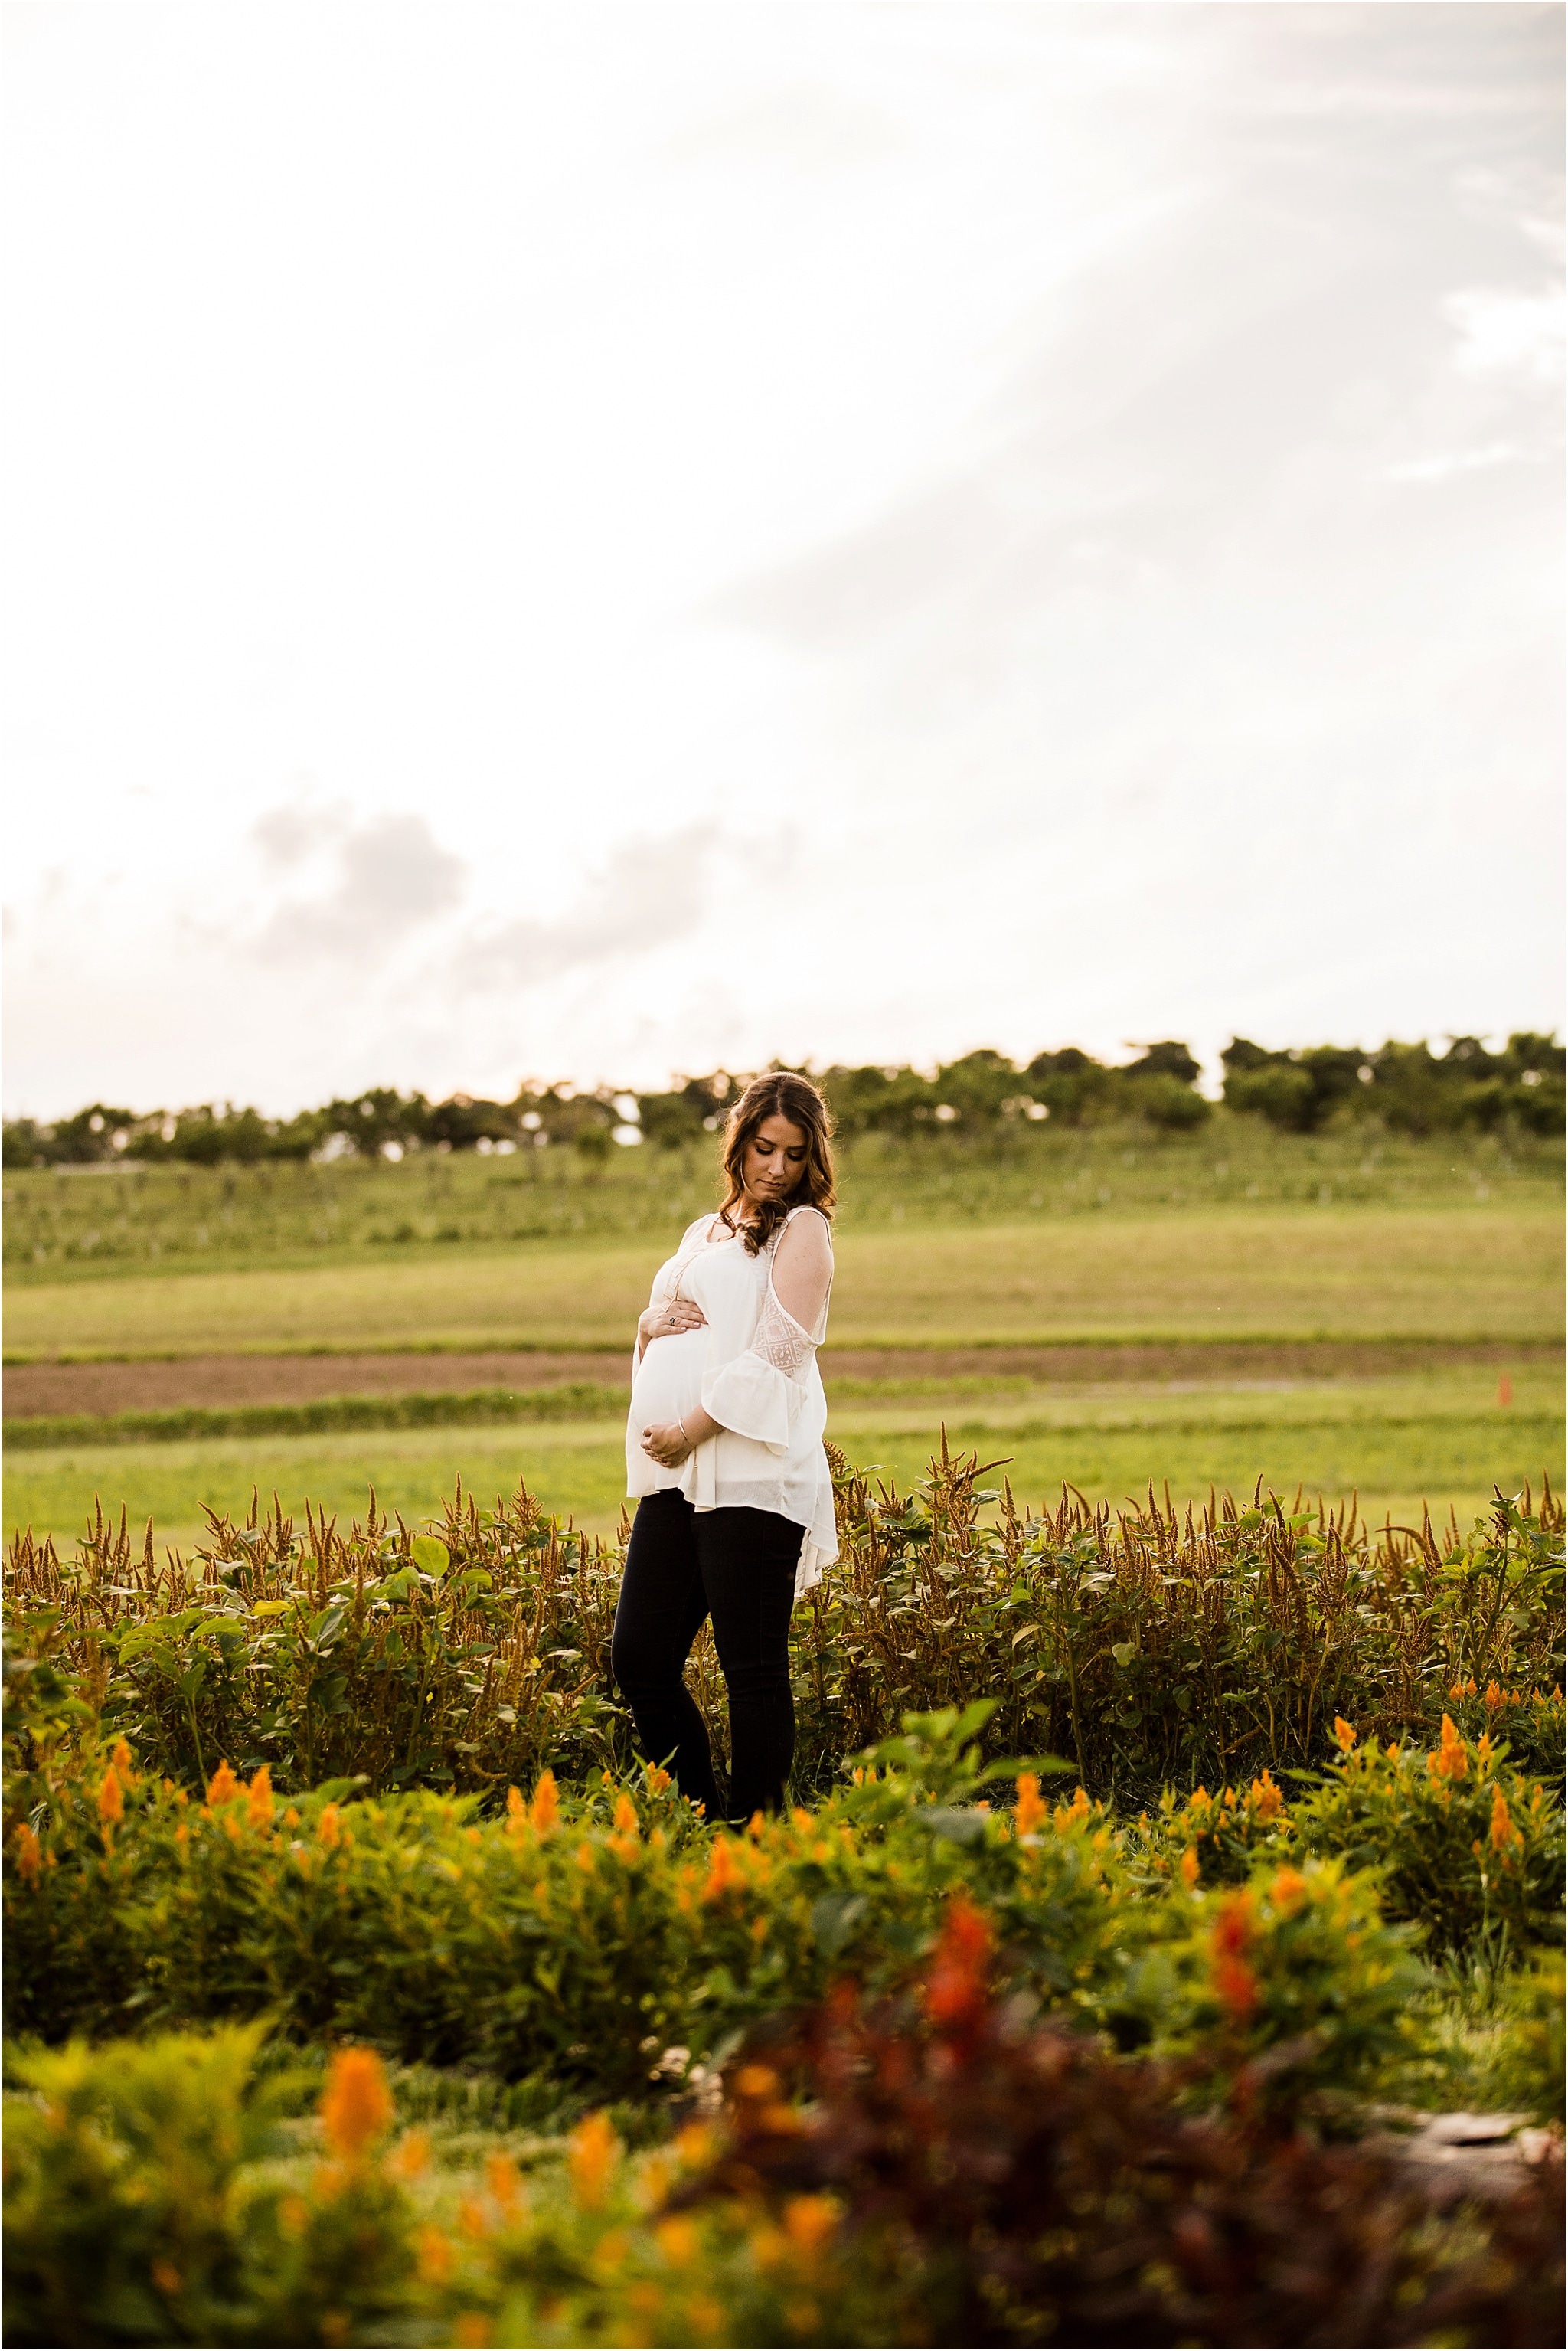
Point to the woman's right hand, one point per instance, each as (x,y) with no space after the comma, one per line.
(669,1320)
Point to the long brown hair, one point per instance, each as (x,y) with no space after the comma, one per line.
(782,1094)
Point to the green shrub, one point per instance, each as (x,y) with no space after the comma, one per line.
(1155,1649)
(953,2175)
(1295,1969)
(584,1935)
(1461,1844)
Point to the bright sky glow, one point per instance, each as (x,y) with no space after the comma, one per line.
(597,539)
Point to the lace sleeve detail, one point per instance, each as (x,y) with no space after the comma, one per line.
(780,1341)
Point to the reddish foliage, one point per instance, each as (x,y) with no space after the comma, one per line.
(1018,2186)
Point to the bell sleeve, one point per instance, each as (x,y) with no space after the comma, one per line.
(759,1394)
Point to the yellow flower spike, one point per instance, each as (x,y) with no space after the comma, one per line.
(591,2152)
(258,1799)
(626,1819)
(110,1802)
(124,1763)
(545,1810)
(355,2106)
(585,1858)
(223,1787)
(329,1828)
(473,2219)
(1288,1889)
(1502,1832)
(658,1780)
(1189,1869)
(1345,1734)
(1031,1807)
(1485,1751)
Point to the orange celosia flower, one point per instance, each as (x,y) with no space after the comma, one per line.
(1235,1985)
(258,1807)
(29,1854)
(1451,1760)
(590,2152)
(1502,1833)
(545,1810)
(626,1819)
(504,2181)
(1031,1808)
(516,1810)
(1189,1866)
(471,2331)
(223,1787)
(658,1780)
(110,1802)
(433,2257)
(960,1970)
(124,1763)
(1493,1697)
(724,1871)
(1289,1888)
(1072,1816)
(329,1828)
(677,2240)
(1345,1734)
(355,2106)
(409,2159)
(809,2222)
(1267,1799)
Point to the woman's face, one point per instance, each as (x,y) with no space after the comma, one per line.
(775,1158)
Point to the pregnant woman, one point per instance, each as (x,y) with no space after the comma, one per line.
(723,1450)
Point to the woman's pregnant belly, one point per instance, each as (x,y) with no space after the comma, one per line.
(669,1382)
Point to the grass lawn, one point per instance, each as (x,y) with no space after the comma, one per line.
(1477,1271)
(1442,1438)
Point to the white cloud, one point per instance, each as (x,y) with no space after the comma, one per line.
(850,531)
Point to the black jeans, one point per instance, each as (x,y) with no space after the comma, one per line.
(738,1565)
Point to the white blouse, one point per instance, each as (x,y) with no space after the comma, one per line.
(753,1368)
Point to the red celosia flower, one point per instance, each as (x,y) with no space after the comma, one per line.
(959,1983)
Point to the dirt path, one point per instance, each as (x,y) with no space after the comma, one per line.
(33,1389)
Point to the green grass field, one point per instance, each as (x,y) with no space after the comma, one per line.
(1444,1438)
(1475,1272)
(1236,1233)
(88,1224)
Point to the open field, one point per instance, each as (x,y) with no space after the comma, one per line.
(1443,1435)
(87,1223)
(1473,1272)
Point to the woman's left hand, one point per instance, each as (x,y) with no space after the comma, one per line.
(667,1444)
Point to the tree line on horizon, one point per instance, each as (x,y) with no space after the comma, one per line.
(1409,1088)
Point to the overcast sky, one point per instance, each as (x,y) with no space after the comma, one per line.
(591,540)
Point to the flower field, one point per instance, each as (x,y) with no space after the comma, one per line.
(1150,1875)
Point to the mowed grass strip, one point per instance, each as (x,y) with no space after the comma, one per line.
(1448,1440)
(1474,1272)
